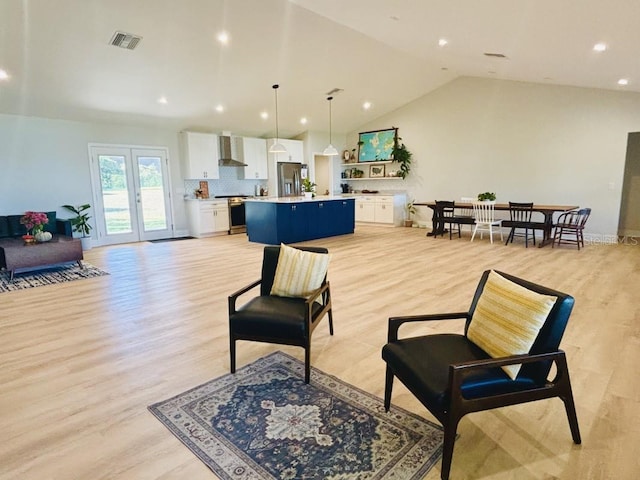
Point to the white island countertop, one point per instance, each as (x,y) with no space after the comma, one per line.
(317,198)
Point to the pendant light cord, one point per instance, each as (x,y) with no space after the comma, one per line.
(275,88)
(330,98)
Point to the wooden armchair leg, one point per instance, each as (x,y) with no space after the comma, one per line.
(388,386)
(330,313)
(450,428)
(572,417)
(307,364)
(232,354)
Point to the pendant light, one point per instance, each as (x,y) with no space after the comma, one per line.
(277,147)
(330,150)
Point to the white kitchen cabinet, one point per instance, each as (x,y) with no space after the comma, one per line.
(199,152)
(207,218)
(365,210)
(382,209)
(253,152)
(295,151)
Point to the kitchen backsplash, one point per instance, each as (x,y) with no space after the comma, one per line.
(229,183)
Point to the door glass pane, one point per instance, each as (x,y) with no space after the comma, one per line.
(115,194)
(152,193)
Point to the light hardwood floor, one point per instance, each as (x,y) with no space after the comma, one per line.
(80,362)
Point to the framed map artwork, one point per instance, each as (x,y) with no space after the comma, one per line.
(377,145)
(376,171)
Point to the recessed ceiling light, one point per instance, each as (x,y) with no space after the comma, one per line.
(366,105)
(303,120)
(600,47)
(163,100)
(442,42)
(219,108)
(623,81)
(264,115)
(223,38)
(3,75)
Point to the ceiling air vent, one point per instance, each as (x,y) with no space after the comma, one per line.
(495,55)
(125,40)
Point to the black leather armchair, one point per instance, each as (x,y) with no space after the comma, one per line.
(452,376)
(281,320)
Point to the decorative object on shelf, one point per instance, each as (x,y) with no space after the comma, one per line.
(487,197)
(43,236)
(34,222)
(330,150)
(277,147)
(409,210)
(309,187)
(376,171)
(352,157)
(346,156)
(403,157)
(377,145)
(357,173)
(29,239)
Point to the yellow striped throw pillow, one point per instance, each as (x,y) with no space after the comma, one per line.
(507,319)
(299,273)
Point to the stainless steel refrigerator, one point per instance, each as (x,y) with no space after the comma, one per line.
(289,179)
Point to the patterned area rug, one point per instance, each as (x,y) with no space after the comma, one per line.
(49,276)
(265,422)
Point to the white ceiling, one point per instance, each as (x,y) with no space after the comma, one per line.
(61,65)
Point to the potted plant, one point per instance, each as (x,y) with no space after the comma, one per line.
(81,223)
(409,209)
(309,187)
(403,157)
(487,197)
(357,173)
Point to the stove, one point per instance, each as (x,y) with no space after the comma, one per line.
(237,222)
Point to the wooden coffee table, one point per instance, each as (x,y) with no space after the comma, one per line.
(19,257)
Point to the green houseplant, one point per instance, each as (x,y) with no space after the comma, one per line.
(403,157)
(81,223)
(309,187)
(410,210)
(487,197)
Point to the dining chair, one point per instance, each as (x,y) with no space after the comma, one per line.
(520,218)
(570,227)
(294,298)
(462,216)
(485,220)
(511,340)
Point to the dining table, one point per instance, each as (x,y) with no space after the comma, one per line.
(546,210)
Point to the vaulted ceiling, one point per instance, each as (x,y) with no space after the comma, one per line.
(60,64)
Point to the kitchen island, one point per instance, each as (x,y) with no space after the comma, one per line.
(296,219)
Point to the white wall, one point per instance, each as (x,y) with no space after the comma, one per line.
(44,163)
(524,141)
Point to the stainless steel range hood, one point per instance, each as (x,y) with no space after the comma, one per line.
(228,156)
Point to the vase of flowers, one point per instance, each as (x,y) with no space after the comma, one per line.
(34,222)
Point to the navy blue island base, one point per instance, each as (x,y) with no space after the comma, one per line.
(291,220)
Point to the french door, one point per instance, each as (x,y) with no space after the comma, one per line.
(131,193)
